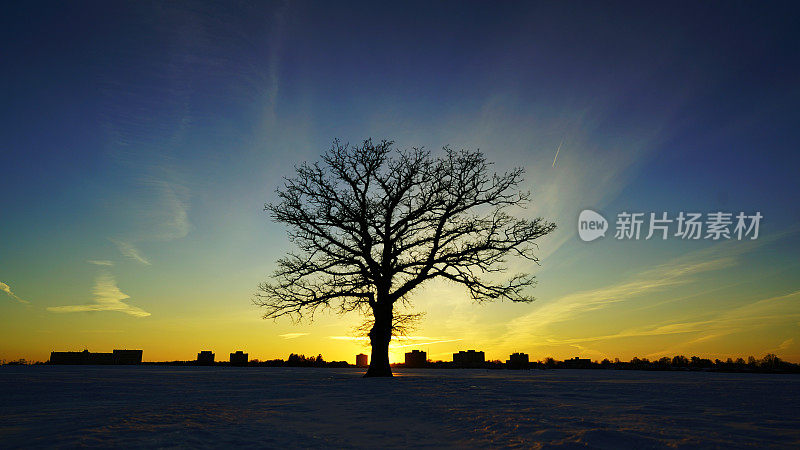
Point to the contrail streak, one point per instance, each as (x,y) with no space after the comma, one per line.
(559,149)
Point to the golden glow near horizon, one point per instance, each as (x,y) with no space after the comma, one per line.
(682,306)
(136,171)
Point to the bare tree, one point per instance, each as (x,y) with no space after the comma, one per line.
(371,224)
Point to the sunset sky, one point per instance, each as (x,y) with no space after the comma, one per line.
(139,142)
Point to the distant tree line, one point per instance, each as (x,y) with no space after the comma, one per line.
(770,363)
(19,362)
(296,360)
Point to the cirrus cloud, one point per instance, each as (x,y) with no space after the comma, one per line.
(129,250)
(107,297)
(7,289)
(293,335)
(101,262)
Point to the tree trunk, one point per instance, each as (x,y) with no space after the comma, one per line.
(380,336)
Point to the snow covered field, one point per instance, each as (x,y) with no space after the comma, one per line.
(226,406)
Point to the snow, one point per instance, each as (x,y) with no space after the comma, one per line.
(150,406)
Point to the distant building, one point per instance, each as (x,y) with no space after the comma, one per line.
(127,356)
(469,358)
(362,360)
(205,357)
(84,357)
(518,361)
(87,357)
(239,358)
(416,358)
(577,363)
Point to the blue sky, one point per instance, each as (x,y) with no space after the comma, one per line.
(146,137)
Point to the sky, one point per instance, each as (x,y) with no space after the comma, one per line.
(139,142)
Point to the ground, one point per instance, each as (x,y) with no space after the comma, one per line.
(150,406)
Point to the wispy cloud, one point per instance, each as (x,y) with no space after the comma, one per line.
(417,344)
(7,289)
(398,342)
(274,55)
(571,305)
(592,172)
(760,314)
(349,338)
(293,335)
(756,314)
(786,344)
(680,271)
(102,331)
(101,262)
(107,297)
(162,215)
(129,250)
(167,212)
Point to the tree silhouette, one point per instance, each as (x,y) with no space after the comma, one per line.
(372,223)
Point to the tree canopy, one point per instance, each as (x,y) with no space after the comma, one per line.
(371,223)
